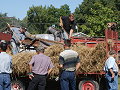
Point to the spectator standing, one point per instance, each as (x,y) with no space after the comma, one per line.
(69,63)
(68,25)
(40,67)
(111,70)
(5,68)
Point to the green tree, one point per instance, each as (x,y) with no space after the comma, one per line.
(93,15)
(36,16)
(39,18)
(4,19)
(64,10)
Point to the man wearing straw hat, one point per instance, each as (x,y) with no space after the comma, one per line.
(40,67)
(5,67)
(111,70)
(69,63)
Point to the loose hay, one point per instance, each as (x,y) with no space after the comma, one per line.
(91,59)
(54,51)
(20,62)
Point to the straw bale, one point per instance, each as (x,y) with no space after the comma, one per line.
(91,59)
(21,60)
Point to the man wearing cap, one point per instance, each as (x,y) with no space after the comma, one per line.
(111,70)
(40,67)
(69,63)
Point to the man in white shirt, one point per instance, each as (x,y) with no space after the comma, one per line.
(5,68)
(111,70)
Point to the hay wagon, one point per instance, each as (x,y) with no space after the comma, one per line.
(93,52)
(94,79)
(90,75)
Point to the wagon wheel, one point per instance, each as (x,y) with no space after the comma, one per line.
(17,85)
(88,85)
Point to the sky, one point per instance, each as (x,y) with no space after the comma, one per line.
(19,8)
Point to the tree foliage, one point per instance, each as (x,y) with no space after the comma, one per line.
(93,15)
(39,18)
(4,19)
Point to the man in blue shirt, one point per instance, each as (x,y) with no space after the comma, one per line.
(111,70)
(5,68)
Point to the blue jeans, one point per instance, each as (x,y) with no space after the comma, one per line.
(112,84)
(68,80)
(5,82)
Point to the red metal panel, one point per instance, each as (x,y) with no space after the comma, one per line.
(100,73)
(113,36)
(91,44)
(4,36)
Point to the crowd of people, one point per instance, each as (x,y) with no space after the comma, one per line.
(41,65)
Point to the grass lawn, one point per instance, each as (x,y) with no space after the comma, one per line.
(119,83)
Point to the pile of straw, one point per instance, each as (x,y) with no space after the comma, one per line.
(91,59)
(20,62)
(53,52)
